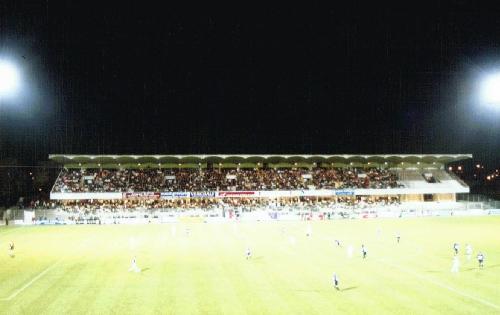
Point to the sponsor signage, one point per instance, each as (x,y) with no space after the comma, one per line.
(223,194)
(436,189)
(141,195)
(177,194)
(344,193)
(202,194)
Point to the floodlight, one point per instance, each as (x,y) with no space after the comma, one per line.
(10,79)
(490,90)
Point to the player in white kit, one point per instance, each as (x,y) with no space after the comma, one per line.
(349,251)
(468,251)
(133,266)
(455,265)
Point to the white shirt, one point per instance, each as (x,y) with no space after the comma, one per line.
(469,250)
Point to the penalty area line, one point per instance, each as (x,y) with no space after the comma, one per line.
(28,284)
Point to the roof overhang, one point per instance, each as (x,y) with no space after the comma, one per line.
(256,158)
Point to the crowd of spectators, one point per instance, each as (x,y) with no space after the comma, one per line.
(86,207)
(354,178)
(163,180)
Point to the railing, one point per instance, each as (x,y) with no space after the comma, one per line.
(51,189)
(474,200)
(458,179)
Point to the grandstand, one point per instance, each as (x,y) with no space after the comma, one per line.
(304,182)
(292,212)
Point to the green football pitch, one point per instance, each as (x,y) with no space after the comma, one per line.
(84,269)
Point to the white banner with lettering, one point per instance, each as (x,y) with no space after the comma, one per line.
(268,193)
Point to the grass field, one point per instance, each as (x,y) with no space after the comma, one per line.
(83,269)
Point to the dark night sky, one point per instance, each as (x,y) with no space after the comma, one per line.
(144,79)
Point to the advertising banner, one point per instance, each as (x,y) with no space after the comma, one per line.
(311,193)
(141,195)
(222,194)
(344,192)
(176,194)
(202,194)
(436,189)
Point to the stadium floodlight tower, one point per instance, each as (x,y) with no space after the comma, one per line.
(10,79)
(490,91)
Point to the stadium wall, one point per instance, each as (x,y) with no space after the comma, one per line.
(444,193)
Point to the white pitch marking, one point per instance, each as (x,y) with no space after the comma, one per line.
(24,287)
(41,274)
(436,283)
(439,284)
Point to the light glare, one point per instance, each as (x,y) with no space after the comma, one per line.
(490,90)
(9,79)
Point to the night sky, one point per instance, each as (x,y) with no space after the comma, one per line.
(145,80)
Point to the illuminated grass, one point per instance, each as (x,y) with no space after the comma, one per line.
(85,268)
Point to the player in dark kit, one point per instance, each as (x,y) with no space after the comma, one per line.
(248,253)
(335,279)
(363,251)
(11,249)
(480,259)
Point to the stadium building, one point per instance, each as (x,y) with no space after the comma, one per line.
(310,183)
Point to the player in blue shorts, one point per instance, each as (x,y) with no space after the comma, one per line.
(335,279)
(480,260)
